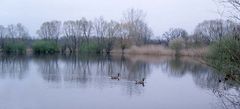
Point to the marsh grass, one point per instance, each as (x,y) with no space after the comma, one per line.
(159,50)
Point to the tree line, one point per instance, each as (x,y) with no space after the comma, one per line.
(73,35)
(220,37)
(100,35)
(205,33)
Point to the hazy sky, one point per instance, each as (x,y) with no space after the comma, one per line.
(161,14)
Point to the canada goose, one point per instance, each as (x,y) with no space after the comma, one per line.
(140,82)
(219,80)
(116,77)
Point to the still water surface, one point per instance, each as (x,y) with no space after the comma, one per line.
(83,82)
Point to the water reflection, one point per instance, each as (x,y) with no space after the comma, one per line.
(229,97)
(76,70)
(49,68)
(83,71)
(206,78)
(14,67)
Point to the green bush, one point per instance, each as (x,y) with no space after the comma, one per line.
(45,47)
(225,55)
(91,47)
(177,44)
(17,47)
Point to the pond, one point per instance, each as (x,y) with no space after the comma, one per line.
(84,82)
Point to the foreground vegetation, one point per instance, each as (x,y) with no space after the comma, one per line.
(225,56)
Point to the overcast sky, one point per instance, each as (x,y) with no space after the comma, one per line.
(161,14)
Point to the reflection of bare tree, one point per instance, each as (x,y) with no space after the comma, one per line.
(133,89)
(48,65)
(228,93)
(203,76)
(229,98)
(82,69)
(207,79)
(173,66)
(129,70)
(13,66)
(178,67)
(76,70)
(137,70)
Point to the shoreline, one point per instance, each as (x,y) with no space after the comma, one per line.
(157,50)
(147,50)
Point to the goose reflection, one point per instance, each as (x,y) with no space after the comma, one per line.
(141,82)
(116,77)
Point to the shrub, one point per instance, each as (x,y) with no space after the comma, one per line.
(45,47)
(225,55)
(91,47)
(177,44)
(17,47)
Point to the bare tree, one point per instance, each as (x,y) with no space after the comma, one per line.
(123,34)
(214,30)
(17,32)
(22,31)
(112,32)
(75,31)
(69,29)
(231,8)
(112,29)
(11,32)
(145,32)
(100,28)
(137,27)
(209,31)
(78,31)
(2,35)
(133,15)
(232,29)
(87,28)
(50,30)
(174,33)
